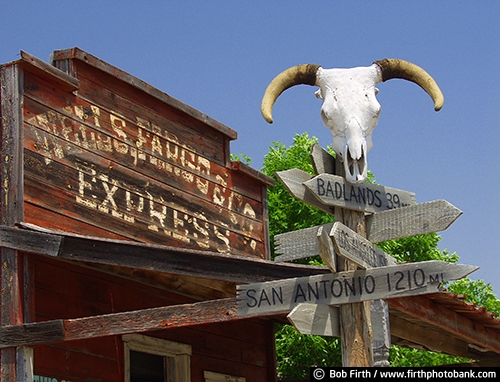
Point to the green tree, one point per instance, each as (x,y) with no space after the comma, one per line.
(296,352)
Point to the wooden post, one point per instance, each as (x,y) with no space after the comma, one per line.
(15,364)
(355,319)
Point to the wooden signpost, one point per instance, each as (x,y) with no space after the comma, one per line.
(357,249)
(417,219)
(333,190)
(339,288)
(364,214)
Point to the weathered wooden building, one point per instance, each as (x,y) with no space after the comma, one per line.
(90,150)
(126,228)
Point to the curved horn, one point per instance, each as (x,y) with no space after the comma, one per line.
(296,75)
(394,68)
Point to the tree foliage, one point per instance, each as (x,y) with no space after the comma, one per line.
(285,212)
(296,352)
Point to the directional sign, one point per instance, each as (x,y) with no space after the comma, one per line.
(293,180)
(326,250)
(359,250)
(413,220)
(280,296)
(417,219)
(299,244)
(333,190)
(321,320)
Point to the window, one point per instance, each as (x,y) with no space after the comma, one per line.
(216,377)
(150,359)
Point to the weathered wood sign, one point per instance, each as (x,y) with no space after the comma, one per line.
(299,244)
(410,279)
(112,156)
(321,320)
(333,190)
(417,219)
(357,249)
(294,180)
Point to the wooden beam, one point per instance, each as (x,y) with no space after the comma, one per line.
(188,262)
(355,329)
(12,361)
(167,317)
(444,319)
(59,56)
(428,337)
(47,71)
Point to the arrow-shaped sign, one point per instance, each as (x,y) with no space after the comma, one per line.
(293,180)
(333,190)
(321,320)
(281,296)
(413,220)
(357,249)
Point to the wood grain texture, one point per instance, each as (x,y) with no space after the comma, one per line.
(333,190)
(418,219)
(299,244)
(320,320)
(357,249)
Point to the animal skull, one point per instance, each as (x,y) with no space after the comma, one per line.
(350,108)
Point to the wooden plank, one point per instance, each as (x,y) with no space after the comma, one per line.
(31,333)
(298,244)
(444,319)
(381,336)
(321,320)
(349,286)
(168,317)
(392,224)
(12,361)
(322,161)
(357,249)
(294,180)
(412,220)
(123,204)
(333,190)
(326,250)
(45,70)
(157,258)
(30,241)
(432,339)
(355,319)
(62,55)
(151,162)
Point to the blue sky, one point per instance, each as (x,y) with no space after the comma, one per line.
(219,56)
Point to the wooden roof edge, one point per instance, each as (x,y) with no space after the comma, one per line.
(158,258)
(79,54)
(246,169)
(432,309)
(43,69)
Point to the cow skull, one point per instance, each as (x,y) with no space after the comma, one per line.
(350,108)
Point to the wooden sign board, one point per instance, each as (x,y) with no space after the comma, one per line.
(112,156)
(357,249)
(320,320)
(333,190)
(417,219)
(294,180)
(281,296)
(299,244)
